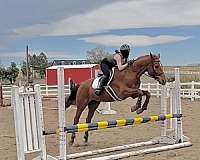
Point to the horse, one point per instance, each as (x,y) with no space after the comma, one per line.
(125,83)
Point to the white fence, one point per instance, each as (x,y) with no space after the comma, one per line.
(189,90)
(45,90)
(183,72)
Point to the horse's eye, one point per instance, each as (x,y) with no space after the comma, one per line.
(156,67)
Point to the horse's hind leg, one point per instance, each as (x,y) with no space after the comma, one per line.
(146,102)
(92,106)
(138,104)
(80,109)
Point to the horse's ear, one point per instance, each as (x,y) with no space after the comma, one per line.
(159,55)
(151,55)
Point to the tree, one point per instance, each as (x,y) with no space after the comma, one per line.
(37,64)
(9,73)
(95,55)
(2,71)
(13,72)
(23,69)
(42,63)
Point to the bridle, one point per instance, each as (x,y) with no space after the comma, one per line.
(152,72)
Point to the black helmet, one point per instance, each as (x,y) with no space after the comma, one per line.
(125,49)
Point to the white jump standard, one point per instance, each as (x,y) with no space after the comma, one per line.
(30,133)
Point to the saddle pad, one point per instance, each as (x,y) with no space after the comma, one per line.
(96,80)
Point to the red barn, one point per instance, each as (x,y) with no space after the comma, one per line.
(78,73)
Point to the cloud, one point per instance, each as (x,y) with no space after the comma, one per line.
(121,15)
(134,40)
(39,17)
(26,13)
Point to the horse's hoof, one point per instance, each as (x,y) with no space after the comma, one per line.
(139,111)
(85,139)
(133,109)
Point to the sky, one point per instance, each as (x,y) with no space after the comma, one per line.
(66,29)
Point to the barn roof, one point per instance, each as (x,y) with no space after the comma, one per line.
(73,66)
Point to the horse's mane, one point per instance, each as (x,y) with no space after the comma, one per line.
(141,57)
(147,55)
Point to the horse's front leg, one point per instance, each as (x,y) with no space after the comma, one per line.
(146,102)
(138,104)
(134,93)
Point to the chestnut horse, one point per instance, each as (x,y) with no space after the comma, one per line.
(125,83)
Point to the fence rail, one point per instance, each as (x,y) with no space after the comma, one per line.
(45,90)
(184,72)
(190,90)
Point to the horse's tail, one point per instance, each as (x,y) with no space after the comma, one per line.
(72,97)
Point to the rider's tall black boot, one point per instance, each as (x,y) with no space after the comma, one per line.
(99,89)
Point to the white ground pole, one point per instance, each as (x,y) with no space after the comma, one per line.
(28,116)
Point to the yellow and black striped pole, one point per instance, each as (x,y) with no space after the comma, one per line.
(114,123)
(117,123)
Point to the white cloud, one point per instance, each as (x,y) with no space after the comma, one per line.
(122,15)
(134,40)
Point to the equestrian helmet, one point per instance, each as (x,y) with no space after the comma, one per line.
(125,47)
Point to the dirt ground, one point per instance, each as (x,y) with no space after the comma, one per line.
(109,137)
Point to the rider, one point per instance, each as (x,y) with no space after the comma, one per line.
(118,59)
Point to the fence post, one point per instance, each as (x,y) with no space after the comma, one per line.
(157,90)
(149,87)
(46,92)
(1,96)
(192,91)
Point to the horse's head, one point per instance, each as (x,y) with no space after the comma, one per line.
(155,69)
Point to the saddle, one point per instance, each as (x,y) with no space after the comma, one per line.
(107,87)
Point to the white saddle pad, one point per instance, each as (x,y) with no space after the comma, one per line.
(96,82)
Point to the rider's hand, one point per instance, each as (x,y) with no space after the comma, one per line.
(130,62)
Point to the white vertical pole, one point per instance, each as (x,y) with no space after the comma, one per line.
(171,103)
(192,91)
(174,111)
(46,90)
(69,86)
(61,110)
(109,106)
(18,121)
(179,132)
(163,110)
(149,87)
(40,121)
(157,89)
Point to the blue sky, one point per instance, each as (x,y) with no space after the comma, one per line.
(69,28)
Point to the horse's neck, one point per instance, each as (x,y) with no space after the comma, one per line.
(134,72)
(140,66)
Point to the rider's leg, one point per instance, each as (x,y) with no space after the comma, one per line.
(103,81)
